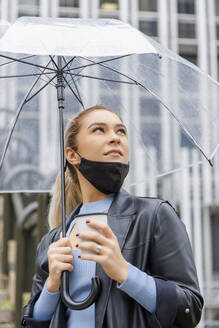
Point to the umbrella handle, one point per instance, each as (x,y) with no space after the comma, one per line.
(74,305)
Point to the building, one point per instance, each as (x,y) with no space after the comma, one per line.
(190,28)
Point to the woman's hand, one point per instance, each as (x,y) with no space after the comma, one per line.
(110,256)
(60,258)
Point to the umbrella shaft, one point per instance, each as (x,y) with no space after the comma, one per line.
(61,141)
(60,84)
(60,97)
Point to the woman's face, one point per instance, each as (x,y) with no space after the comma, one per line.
(102,137)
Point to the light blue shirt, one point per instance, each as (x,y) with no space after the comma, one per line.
(137,285)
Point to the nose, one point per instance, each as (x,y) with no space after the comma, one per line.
(114,138)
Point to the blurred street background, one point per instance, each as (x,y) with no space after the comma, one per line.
(189,28)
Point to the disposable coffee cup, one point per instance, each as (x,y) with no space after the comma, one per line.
(81,226)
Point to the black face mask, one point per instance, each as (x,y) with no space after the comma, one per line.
(107,177)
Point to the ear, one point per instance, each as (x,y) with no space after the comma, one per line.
(71,156)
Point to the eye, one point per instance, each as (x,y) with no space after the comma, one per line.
(121,131)
(98,129)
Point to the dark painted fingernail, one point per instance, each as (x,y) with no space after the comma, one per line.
(76,245)
(77,234)
(79,256)
(88,221)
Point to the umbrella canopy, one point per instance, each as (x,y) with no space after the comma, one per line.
(77,37)
(167,103)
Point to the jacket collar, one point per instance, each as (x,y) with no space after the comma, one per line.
(120,215)
(121,205)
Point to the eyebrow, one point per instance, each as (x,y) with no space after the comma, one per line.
(102,123)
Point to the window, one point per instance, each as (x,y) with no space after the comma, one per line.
(29,2)
(187,30)
(69,8)
(217,31)
(192,58)
(28,8)
(109,4)
(69,3)
(218,60)
(148,27)
(148,5)
(217,7)
(214,233)
(189,52)
(186,7)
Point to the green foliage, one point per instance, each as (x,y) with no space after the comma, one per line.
(6,305)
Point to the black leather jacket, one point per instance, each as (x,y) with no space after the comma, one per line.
(154,239)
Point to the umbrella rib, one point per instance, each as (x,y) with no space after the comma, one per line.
(27,63)
(78,93)
(24,75)
(98,63)
(62,71)
(52,83)
(12,61)
(78,96)
(64,60)
(169,172)
(213,154)
(101,79)
(67,63)
(180,124)
(114,70)
(23,102)
(48,82)
(46,76)
(54,63)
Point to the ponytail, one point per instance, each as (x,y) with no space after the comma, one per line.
(72,197)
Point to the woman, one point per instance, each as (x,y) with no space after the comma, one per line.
(143,257)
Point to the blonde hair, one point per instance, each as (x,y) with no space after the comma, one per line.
(72,187)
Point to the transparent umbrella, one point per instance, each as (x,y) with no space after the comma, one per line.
(167,103)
